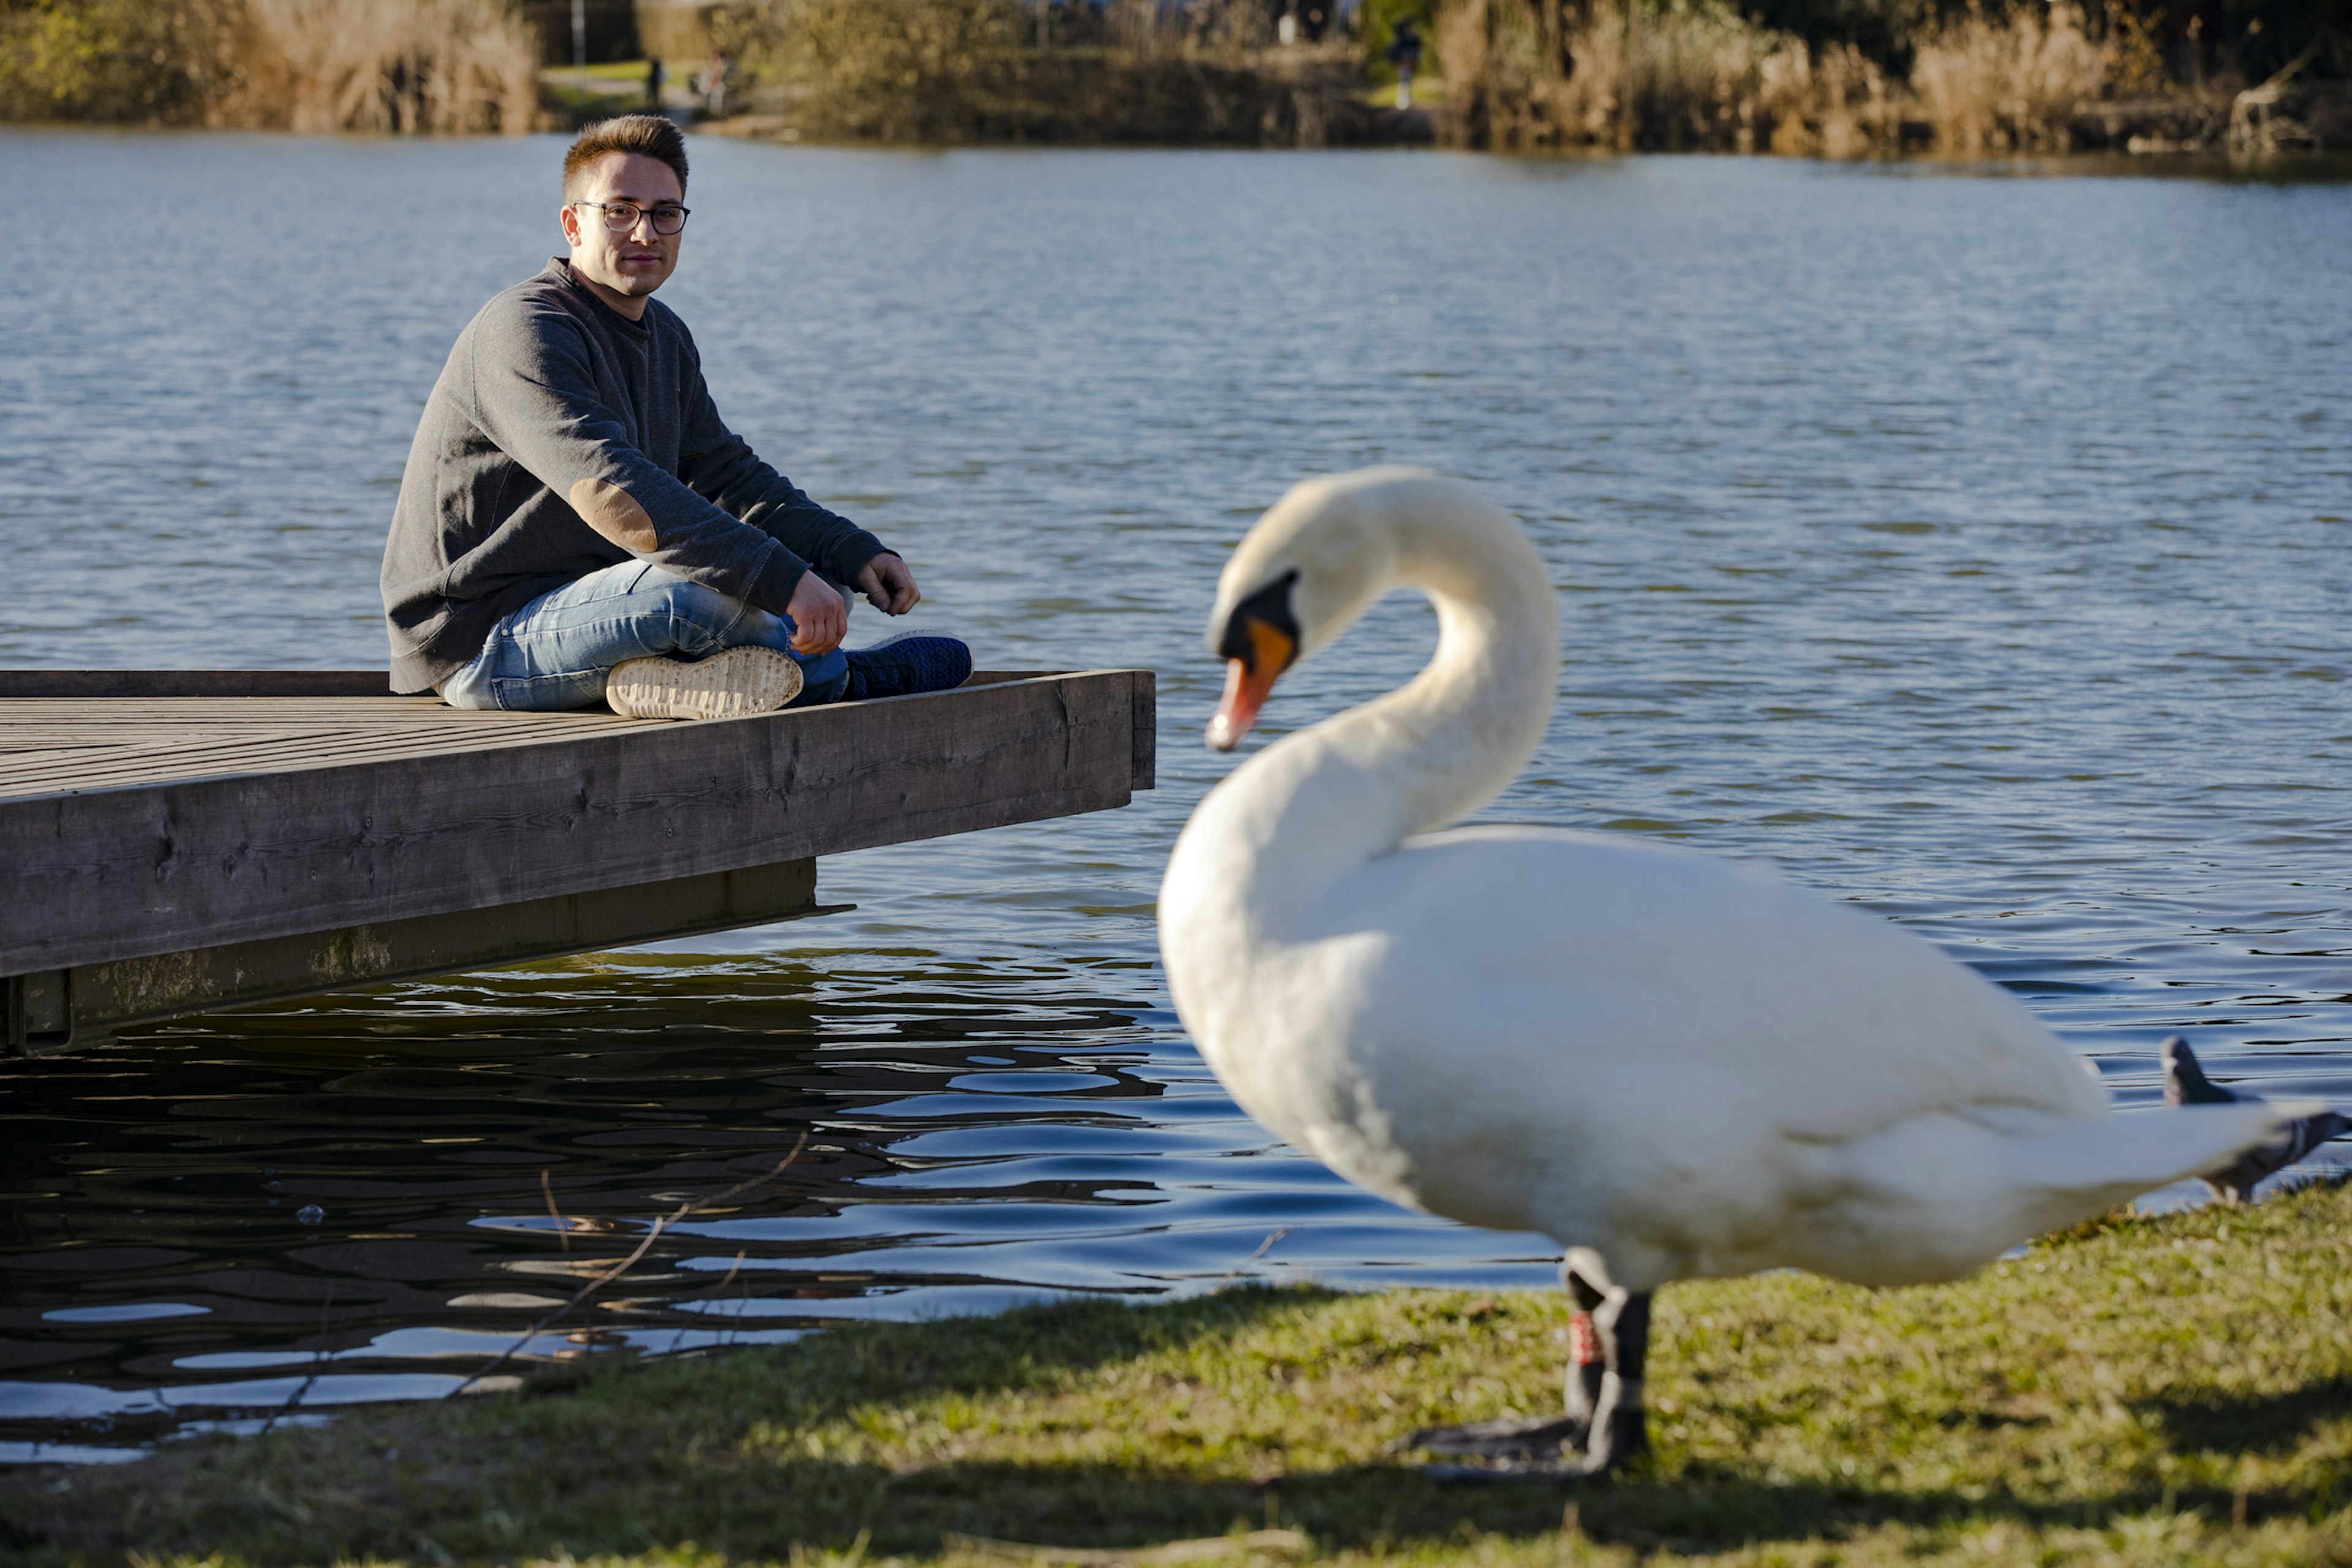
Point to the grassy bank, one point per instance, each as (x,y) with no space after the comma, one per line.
(2150,1391)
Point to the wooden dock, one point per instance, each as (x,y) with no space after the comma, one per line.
(176,841)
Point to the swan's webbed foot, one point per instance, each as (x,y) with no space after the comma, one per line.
(1621,1432)
(1610,1339)
(1520,1443)
(2184,1083)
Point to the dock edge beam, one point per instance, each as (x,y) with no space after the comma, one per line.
(56,1009)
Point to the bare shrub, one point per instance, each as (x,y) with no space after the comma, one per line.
(117,60)
(1835,102)
(1992,83)
(1695,74)
(2135,50)
(1136,27)
(958,70)
(1684,74)
(1500,86)
(397,66)
(299,65)
(895,70)
(1227,26)
(1699,76)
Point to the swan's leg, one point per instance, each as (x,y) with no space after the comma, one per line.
(1538,1442)
(1586,1362)
(2184,1083)
(1621,1429)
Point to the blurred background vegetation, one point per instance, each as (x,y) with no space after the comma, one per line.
(402,66)
(1840,78)
(949,70)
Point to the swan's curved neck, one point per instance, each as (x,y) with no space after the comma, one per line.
(1317,803)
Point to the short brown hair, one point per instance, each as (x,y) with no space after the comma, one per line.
(650,135)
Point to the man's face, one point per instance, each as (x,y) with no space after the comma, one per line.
(636,263)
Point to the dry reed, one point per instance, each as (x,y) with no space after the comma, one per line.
(2016,81)
(1686,75)
(1695,74)
(395,66)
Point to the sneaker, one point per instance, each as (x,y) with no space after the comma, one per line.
(906,664)
(731,684)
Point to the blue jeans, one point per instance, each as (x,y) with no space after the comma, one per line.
(554,652)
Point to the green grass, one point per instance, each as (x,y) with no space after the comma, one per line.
(1428,91)
(562,90)
(2173,1390)
(612,73)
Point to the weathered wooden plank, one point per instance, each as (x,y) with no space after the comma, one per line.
(267,754)
(55,1010)
(45,743)
(244,710)
(267,714)
(114,874)
(186,683)
(195,683)
(1143,760)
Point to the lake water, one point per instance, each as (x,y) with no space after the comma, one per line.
(1975,547)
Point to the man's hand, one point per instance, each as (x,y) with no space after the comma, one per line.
(888,585)
(820,615)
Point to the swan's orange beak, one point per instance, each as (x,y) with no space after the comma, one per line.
(1249,681)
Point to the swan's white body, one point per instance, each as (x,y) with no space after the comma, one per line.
(1686,1066)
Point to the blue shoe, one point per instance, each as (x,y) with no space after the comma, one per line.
(903,665)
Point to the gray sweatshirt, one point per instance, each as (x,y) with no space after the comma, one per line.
(562,438)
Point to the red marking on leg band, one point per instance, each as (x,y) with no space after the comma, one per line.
(1583,1343)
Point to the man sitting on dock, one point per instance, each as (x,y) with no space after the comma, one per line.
(576,523)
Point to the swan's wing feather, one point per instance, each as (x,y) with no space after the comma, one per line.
(1663,970)
(1933,1197)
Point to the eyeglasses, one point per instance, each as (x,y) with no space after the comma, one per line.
(621,218)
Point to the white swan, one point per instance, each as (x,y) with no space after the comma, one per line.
(1675,1066)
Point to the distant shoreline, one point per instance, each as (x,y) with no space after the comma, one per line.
(1499,75)
(2156,132)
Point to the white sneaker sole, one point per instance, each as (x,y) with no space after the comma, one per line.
(731,684)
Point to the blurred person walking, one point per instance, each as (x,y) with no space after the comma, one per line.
(1405,53)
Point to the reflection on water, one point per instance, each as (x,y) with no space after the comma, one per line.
(1974,548)
(371,1197)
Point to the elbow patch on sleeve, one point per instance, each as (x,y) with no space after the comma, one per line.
(615,513)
